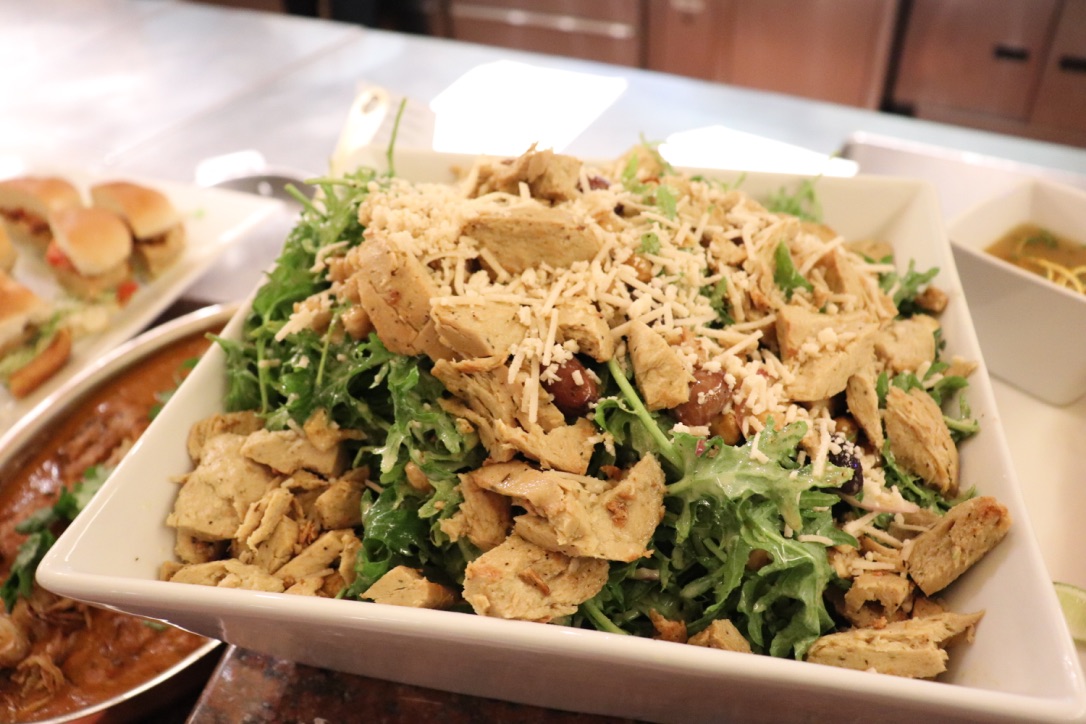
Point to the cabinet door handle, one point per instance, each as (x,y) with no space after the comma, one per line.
(1011,52)
(1073,63)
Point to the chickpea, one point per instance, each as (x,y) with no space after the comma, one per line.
(708,396)
(570,396)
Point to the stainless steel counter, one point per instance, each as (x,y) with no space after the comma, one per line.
(155,85)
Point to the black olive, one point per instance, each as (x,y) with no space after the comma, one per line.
(845,459)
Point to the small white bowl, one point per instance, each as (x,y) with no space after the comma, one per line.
(1032,332)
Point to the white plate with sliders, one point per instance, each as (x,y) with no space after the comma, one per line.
(214,219)
(1021,667)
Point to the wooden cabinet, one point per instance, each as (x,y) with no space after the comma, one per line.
(1061,97)
(1013,66)
(977,56)
(605,30)
(834,50)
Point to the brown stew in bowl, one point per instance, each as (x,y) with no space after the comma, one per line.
(57,655)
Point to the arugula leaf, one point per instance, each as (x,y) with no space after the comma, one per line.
(785,275)
(904,289)
(802,203)
(718,300)
(665,200)
(650,244)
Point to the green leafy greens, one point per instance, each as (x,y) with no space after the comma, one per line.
(38,527)
(724,504)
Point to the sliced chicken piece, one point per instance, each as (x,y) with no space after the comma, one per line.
(920,440)
(190,549)
(799,327)
(863,402)
(960,367)
(907,344)
(582,516)
(961,538)
(216,495)
(484,385)
(883,594)
(526,236)
(497,450)
(484,517)
(843,276)
(403,586)
(229,573)
(828,372)
(347,559)
(287,451)
(395,290)
(721,634)
(568,448)
(316,557)
(479,329)
(932,300)
(325,434)
(667,629)
(661,376)
(310,586)
(340,504)
(239,423)
(579,320)
(267,535)
(914,648)
(549,176)
(520,580)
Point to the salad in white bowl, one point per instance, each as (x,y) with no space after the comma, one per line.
(622,398)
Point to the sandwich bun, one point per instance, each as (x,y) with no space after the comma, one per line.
(158,232)
(148,212)
(95,241)
(7,251)
(26,202)
(21,310)
(90,251)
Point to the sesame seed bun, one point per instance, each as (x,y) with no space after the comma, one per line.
(148,212)
(96,241)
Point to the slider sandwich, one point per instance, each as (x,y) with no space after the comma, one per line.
(7,251)
(89,254)
(27,202)
(157,230)
(34,343)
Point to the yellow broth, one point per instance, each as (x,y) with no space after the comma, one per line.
(1038,250)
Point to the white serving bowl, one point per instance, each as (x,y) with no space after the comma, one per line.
(1022,666)
(1032,331)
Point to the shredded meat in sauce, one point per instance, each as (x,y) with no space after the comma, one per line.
(58,655)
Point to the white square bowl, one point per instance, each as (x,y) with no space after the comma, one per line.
(1032,331)
(1022,666)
